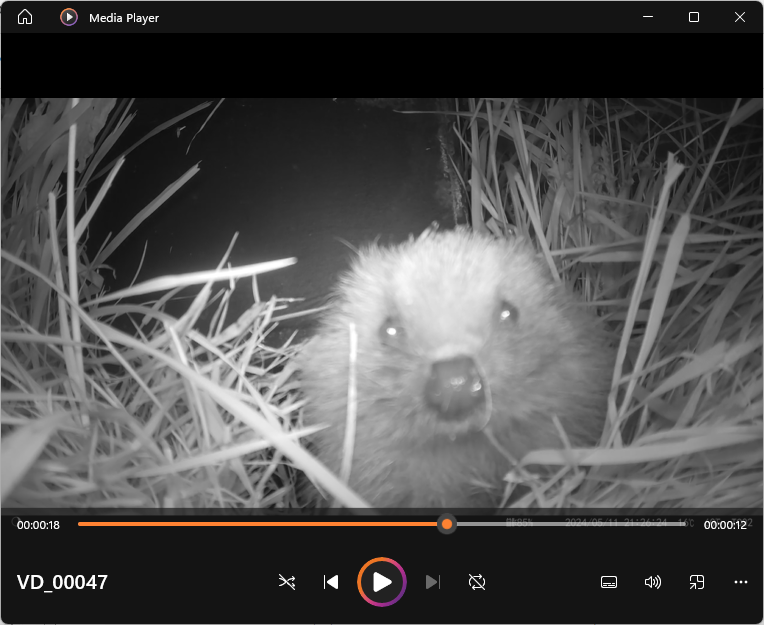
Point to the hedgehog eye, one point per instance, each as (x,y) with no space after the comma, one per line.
(508,313)
(391,332)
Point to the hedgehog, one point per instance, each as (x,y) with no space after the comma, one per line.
(467,351)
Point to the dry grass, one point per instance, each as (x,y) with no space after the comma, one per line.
(167,416)
(164,416)
(671,256)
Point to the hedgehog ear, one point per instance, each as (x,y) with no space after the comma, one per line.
(524,243)
(428,232)
(518,241)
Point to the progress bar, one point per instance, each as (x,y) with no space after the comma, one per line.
(514,523)
(257,523)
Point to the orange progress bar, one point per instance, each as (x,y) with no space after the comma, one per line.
(257,524)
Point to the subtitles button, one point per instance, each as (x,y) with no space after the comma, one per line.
(609,581)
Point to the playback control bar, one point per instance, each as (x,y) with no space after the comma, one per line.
(668,568)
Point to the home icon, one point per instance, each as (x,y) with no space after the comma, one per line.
(25,17)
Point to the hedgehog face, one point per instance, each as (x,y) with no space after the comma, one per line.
(444,324)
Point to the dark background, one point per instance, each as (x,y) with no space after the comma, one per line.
(310,178)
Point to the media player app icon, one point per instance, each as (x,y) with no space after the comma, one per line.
(69,17)
(381,582)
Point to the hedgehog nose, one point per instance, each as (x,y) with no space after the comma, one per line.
(454,388)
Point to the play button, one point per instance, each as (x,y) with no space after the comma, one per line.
(381,582)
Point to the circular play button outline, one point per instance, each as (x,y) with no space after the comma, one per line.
(377,603)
